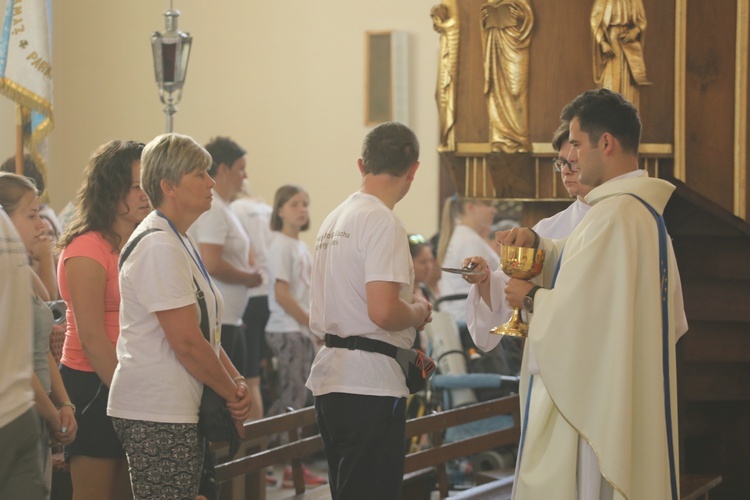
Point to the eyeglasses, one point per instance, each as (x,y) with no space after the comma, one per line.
(561,163)
(417,239)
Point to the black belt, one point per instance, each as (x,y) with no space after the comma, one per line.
(361,343)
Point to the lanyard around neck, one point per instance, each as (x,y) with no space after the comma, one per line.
(195,256)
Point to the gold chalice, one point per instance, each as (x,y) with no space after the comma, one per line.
(522,263)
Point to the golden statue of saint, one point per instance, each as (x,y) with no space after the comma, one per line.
(506,35)
(445,21)
(618,27)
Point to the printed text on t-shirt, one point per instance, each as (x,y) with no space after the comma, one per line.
(328,239)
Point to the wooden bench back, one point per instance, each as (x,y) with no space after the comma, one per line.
(303,441)
(439,453)
(264,449)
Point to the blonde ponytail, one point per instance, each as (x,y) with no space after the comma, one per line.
(452,208)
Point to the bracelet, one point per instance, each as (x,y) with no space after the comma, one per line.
(238,378)
(69,404)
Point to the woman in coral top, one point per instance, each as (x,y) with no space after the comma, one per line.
(110,204)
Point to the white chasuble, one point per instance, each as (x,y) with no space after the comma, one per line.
(597,339)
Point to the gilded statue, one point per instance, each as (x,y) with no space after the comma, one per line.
(506,36)
(445,21)
(618,27)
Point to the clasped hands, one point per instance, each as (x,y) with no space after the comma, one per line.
(516,289)
(240,409)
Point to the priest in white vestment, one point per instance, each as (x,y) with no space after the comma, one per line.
(598,391)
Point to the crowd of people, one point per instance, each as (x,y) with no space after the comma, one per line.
(175,280)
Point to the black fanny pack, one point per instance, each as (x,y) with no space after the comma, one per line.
(416,365)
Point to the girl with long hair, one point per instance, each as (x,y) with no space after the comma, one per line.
(20,200)
(287,330)
(464,226)
(110,204)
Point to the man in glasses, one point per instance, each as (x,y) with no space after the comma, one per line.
(480,318)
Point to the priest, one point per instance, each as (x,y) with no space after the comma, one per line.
(598,392)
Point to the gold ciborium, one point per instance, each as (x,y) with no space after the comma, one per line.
(522,263)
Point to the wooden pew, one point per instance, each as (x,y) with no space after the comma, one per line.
(423,470)
(260,450)
(419,466)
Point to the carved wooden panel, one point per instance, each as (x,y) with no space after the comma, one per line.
(472,122)
(709,112)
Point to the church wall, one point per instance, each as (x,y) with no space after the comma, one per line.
(285,79)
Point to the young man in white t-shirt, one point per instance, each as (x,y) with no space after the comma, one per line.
(362,286)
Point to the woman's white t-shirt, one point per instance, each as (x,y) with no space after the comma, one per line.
(289,260)
(221,226)
(150,383)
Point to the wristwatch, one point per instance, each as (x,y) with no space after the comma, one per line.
(528,300)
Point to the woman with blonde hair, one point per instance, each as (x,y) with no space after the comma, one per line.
(110,204)
(169,347)
(464,227)
(20,200)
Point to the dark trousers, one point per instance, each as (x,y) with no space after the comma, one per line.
(255,319)
(364,444)
(233,342)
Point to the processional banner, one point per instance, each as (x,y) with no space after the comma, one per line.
(26,70)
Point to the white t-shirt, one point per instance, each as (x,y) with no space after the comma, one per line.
(149,382)
(464,242)
(256,219)
(221,226)
(16,329)
(360,241)
(290,261)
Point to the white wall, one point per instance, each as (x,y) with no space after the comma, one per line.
(285,79)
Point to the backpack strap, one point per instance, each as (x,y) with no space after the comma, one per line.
(132,244)
(199,293)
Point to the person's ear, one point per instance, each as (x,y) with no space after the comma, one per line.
(361,166)
(167,187)
(412,171)
(608,142)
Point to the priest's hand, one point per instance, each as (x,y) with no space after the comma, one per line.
(516,291)
(518,237)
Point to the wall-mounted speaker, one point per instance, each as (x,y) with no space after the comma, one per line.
(387,78)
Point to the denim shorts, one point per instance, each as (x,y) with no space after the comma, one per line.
(96,436)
